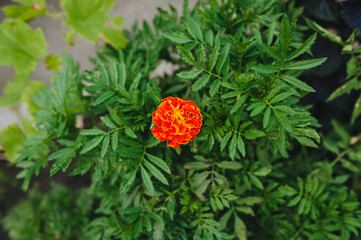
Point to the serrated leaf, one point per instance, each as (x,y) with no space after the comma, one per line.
(232,146)
(213,58)
(238,104)
(297,83)
(115,138)
(285,37)
(240,145)
(155,172)
(194,29)
(159,162)
(189,74)
(266,68)
(240,228)
(283,120)
(253,134)
(103,96)
(223,57)
(266,117)
(345,88)
(294,201)
(105,146)
(200,83)
(262,172)
(325,33)
(225,140)
(301,206)
(255,180)
(231,94)
(107,122)
(305,64)
(304,47)
(273,52)
(130,132)
(146,179)
(91,144)
(186,55)
(177,37)
(258,110)
(214,87)
(280,97)
(230,165)
(127,180)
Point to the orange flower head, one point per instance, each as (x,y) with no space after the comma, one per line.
(178,121)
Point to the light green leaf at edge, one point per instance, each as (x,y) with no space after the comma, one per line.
(357,110)
(12,138)
(27,11)
(21,46)
(13,90)
(240,228)
(87,17)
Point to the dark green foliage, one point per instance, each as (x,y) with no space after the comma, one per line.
(59,214)
(251,172)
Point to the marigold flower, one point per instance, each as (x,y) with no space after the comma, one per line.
(178,121)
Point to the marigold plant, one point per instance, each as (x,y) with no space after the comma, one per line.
(178,121)
(248,159)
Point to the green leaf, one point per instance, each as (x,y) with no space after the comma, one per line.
(214,87)
(225,140)
(223,57)
(91,132)
(88,18)
(12,138)
(200,83)
(186,55)
(127,180)
(266,117)
(213,58)
(294,201)
(255,180)
(357,110)
(15,90)
(241,147)
(302,205)
(189,74)
(262,172)
(231,94)
(266,68)
(258,109)
(28,9)
(105,146)
(146,179)
(280,97)
(283,120)
(324,33)
(230,165)
(238,104)
(297,83)
(240,228)
(253,134)
(274,53)
(194,29)
(177,37)
(155,172)
(159,162)
(103,96)
(303,48)
(53,62)
(345,88)
(107,122)
(196,165)
(91,144)
(285,37)
(232,146)
(20,46)
(115,138)
(130,132)
(305,64)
